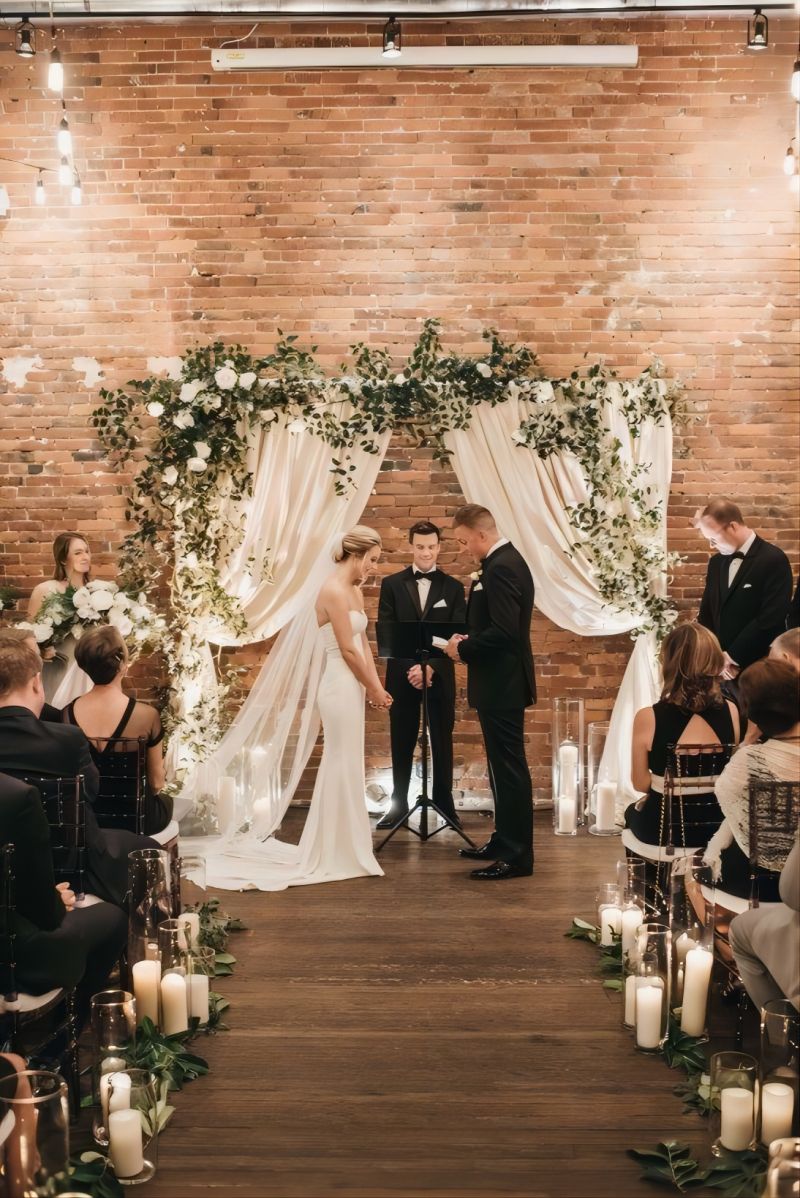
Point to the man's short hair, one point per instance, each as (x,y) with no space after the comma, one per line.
(423,528)
(723,511)
(473,516)
(14,636)
(788,642)
(769,692)
(18,664)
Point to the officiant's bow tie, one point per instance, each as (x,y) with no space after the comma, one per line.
(420,574)
(732,557)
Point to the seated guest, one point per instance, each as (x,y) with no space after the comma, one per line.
(31,748)
(106,713)
(23,636)
(56,943)
(768,691)
(766,942)
(691,711)
(786,647)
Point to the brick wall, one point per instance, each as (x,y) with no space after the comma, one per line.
(591,213)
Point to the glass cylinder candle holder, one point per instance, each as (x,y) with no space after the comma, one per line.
(631,881)
(174,987)
(609,912)
(780,1071)
(653,981)
(113,1023)
(36,1150)
(734,1102)
(601,786)
(201,968)
(193,892)
(149,904)
(631,962)
(783,1168)
(133,1126)
(568,750)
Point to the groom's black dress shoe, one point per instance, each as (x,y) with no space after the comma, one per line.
(500,869)
(486,852)
(392,817)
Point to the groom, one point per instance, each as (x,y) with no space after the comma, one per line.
(500,685)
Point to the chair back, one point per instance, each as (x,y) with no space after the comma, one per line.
(8,954)
(63,803)
(122,764)
(773,816)
(690,805)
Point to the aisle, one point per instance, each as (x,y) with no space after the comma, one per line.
(423,1034)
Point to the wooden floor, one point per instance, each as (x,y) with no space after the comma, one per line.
(423,1034)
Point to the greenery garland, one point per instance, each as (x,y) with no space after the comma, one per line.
(186,437)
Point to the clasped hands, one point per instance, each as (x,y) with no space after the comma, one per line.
(451,648)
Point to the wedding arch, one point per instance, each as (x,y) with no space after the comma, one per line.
(246,468)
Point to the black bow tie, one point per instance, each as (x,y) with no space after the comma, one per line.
(732,557)
(419,574)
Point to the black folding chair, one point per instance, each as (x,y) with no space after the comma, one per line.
(121,799)
(63,803)
(773,811)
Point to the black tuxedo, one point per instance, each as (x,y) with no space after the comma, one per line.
(400,601)
(54,947)
(31,747)
(748,616)
(500,685)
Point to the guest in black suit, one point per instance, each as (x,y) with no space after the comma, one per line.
(57,944)
(748,587)
(30,747)
(23,636)
(421,592)
(500,685)
(793,616)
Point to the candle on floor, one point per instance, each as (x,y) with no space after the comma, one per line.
(630,1000)
(125,1143)
(682,946)
(698,964)
(119,1084)
(632,919)
(567,814)
(609,916)
(174,1006)
(146,977)
(568,770)
(226,803)
(736,1106)
(777,1109)
(112,1064)
(649,1009)
(188,936)
(198,996)
(605,814)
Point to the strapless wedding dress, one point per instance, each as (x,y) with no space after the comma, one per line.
(337,840)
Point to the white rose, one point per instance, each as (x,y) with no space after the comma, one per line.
(191,561)
(87,612)
(247,379)
(42,631)
(121,600)
(102,600)
(520,437)
(484,369)
(120,621)
(102,584)
(513,390)
(81,597)
(399,379)
(544,392)
(170,476)
(196,465)
(202,450)
(296,426)
(155,408)
(189,391)
(184,419)
(225,378)
(269,416)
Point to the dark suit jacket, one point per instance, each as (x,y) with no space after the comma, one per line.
(748,617)
(498,648)
(793,618)
(399,601)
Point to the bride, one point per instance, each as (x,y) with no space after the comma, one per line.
(336,842)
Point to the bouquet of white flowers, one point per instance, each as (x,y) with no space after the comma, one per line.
(71,612)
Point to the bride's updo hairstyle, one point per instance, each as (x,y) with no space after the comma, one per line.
(357,542)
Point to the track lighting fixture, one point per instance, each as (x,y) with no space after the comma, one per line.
(392,39)
(758,31)
(25,39)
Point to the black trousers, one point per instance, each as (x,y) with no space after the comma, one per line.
(510,780)
(404,724)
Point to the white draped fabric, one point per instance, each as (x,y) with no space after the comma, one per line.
(530,498)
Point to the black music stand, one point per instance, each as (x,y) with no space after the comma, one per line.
(413,640)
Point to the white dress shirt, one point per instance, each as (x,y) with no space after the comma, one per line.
(424,585)
(734,566)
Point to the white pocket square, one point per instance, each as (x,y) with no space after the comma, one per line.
(478,586)
(441,603)
(746,585)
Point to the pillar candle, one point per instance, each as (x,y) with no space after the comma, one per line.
(174,1007)
(777,1109)
(198,996)
(610,918)
(226,803)
(193,920)
(649,1007)
(605,814)
(736,1105)
(120,1086)
(146,976)
(630,1000)
(682,946)
(125,1143)
(567,814)
(112,1064)
(568,770)
(632,918)
(698,964)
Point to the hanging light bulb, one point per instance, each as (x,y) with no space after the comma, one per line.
(794,86)
(790,161)
(758,34)
(76,195)
(64,171)
(40,193)
(794,184)
(55,72)
(25,39)
(64,138)
(392,39)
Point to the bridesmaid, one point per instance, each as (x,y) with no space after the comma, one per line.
(73,561)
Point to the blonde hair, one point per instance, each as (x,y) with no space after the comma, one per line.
(691,664)
(357,542)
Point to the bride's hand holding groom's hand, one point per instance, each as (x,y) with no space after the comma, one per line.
(378,697)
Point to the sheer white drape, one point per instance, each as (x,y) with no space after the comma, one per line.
(530,498)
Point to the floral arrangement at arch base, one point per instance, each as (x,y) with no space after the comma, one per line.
(186,435)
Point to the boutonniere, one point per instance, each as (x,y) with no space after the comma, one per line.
(476,575)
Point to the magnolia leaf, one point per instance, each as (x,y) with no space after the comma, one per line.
(670,1163)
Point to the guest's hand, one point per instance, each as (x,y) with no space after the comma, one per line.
(67,895)
(415,676)
(451,648)
(730,669)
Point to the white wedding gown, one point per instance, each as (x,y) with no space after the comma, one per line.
(337,840)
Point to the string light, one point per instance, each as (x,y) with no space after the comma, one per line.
(392,39)
(40,192)
(24,39)
(794,86)
(76,196)
(55,72)
(64,138)
(64,171)
(758,36)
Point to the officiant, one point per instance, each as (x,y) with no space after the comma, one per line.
(421,592)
